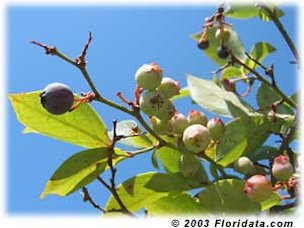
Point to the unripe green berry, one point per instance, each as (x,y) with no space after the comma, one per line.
(189,165)
(216,128)
(149,76)
(57,98)
(161,126)
(196,138)
(167,111)
(179,123)
(282,169)
(225,36)
(196,117)
(152,102)
(243,165)
(258,188)
(169,87)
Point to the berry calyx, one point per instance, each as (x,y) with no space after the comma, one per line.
(282,169)
(243,165)
(196,138)
(222,52)
(169,87)
(196,117)
(57,98)
(216,128)
(179,123)
(149,76)
(152,102)
(258,188)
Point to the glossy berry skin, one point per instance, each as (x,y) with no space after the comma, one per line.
(179,123)
(196,117)
(169,87)
(258,188)
(196,138)
(243,165)
(203,44)
(222,52)
(57,98)
(216,128)
(282,169)
(149,76)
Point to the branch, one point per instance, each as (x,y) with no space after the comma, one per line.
(87,197)
(282,30)
(262,79)
(80,63)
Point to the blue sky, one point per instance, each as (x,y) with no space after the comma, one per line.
(124,38)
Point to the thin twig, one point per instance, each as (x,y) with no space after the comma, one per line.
(262,79)
(282,30)
(87,197)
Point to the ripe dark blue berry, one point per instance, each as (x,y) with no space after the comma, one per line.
(222,52)
(57,98)
(203,44)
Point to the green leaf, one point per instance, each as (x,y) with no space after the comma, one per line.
(263,15)
(243,136)
(258,52)
(273,200)
(227,197)
(215,99)
(180,204)
(169,158)
(79,170)
(242,11)
(266,96)
(144,189)
(154,160)
(184,92)
(130,128)
(82,127)
(232,72)
(234,44)
(231,152)
(264,152)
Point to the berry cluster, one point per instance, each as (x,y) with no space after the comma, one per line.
(258,187)
(195,130)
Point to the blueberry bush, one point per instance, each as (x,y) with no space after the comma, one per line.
(201,166)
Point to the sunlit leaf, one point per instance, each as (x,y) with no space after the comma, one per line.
(215,99)
(144,189)
(264,152)
(184,92)
(227,197)
(180,204)
(273,200)
(232,72)
(243,136)
(79,170)
(241,11)
(154,160)
(258,52)
(83,126)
